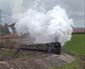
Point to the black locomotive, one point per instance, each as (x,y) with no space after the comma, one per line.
(53,47)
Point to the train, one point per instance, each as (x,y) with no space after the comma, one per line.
(53,47)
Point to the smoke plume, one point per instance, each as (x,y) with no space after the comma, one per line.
(45,27)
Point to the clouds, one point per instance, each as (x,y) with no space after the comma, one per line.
(9,8)
(76,11)
(74,8)
(16,6)
(12,6)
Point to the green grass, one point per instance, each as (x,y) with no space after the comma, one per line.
(4,54)
(76,47)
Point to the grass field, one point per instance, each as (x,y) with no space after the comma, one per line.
(76,47)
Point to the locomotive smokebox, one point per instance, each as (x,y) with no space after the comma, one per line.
(54,47)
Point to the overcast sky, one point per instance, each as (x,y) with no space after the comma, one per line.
(74,8)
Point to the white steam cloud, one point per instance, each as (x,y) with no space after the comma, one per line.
(45,27)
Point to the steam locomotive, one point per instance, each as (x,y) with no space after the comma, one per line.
(53,47)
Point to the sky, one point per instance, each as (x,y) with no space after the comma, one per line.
(74,8)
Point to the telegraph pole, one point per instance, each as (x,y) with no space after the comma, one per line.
(0,16)
(1,28)
(0,21)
